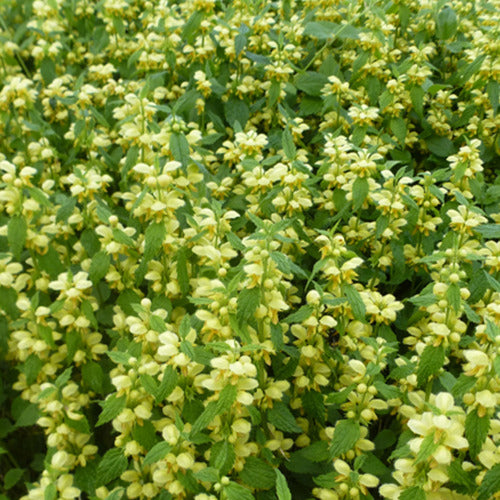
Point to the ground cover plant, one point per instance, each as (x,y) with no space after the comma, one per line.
(249,249)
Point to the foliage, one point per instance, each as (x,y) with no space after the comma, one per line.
(249,249)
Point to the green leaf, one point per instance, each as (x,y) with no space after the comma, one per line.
(453,296)
(93,376)
(153,239)
(248,301)
(119,357)
(122,237)
(206,417)
(258,474)
(493,94)
(50,492)
(179,147)
(226,398)
(427,448)
(282,418)
(168,384)
(63,379)
(47,70)
(413,493)
(116,494)
(185,326)
(446,23)
(235,491)
(356,302)
(324,30)
(99,266)
(282,489)
(236,242)
(302,314)
(490,231)
(274,93)
(360,190)
(430,363)
(404,16)
(222,457)
(111,408)
(288,144)
(12,477)
(314,405)
(157,452)
(182,271)
(490,485)
(459,476)
(17,230)
(476,430)
(345,436)
(286,265)
(66,210)
(236,110)
(113,463)
(28,416)
(496,365)
(440,146)
(398,128)
(311,82)
(207,475)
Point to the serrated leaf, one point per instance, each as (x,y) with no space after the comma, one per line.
(355,301)
(222,457)
(17,230)
(66,210)
(153,239)
(93,376)
(311,82)
(431,361)
(99,266)
(453,296)
(490,485)
(446,23)
(62,379)
(182,271)
(476,430)
(248,301)
(302,314)
(490,231)
(236,110)
(236,242)
(286,265)
(288,144)
(157,452)
(207,475)
(345,436)
(282,418)
(168,384)
(119,357)
(413,493)
(360,190)
(111,408)
(179,147)
(226,398)
(258,474)
(314,405)
(398,128)
(111,466)
(282,489)
(235,491)
(427,448)
(123,238)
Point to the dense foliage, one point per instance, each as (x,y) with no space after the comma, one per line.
(249,249)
